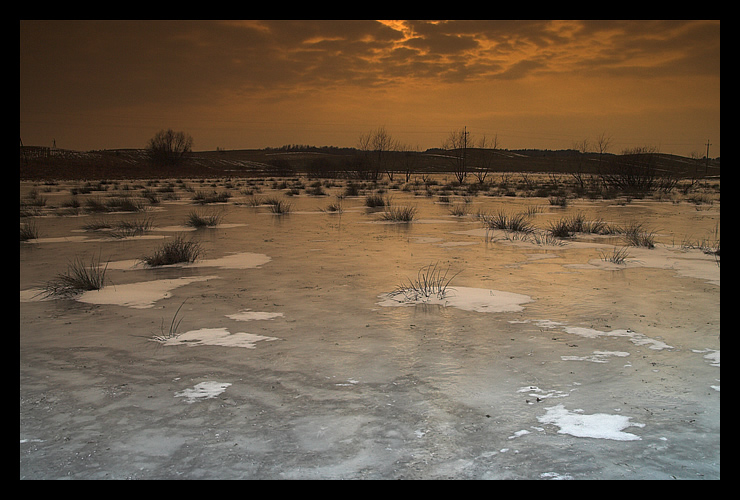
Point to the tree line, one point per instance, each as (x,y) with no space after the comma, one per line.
(379,154)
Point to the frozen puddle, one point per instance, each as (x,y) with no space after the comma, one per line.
(140,295)
(596,356)
(204,390)
(244,260)
(467,299)
(214,336)
(634,337)
(237,260)
(598,425)
(249,315)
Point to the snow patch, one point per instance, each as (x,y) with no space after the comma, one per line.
(465,298)
(215,336)
(140,295)
(204,390)
(249,315)
(597,425)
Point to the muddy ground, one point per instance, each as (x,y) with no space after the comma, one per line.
(289,362)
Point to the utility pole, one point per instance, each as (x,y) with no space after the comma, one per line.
(706,162)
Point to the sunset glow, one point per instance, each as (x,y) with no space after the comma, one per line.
(253,84)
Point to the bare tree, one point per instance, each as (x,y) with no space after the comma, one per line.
(602,144)
(635,171)
(168,147)
(409,159)
(457,143)
(376,147)
(581,149)
(487,150)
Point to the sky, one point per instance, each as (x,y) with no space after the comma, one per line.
(242,84)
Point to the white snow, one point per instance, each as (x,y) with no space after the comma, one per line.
(467,299)
(203,390)
(249,315)
(215,336)
(596,356)
(597,425)
(141,295)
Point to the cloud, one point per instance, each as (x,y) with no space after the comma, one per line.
(221,72)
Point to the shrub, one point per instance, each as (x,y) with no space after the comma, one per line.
(168,147)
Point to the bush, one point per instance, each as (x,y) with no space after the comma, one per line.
(168,147)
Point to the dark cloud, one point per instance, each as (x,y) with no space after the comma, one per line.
(156,68)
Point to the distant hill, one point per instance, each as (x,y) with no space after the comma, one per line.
(38,163)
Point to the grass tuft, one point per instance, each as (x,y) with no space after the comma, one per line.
(280,207)
(431,282)
(199,220)
(637,236)
(399,214)
(375,200)
(29,231)
(78,278)
(501,220)
(618,255)
(174,325)
(176,251)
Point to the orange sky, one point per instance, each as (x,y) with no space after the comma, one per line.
(254,84)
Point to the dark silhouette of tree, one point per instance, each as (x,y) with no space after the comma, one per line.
(168,147)
(457,144)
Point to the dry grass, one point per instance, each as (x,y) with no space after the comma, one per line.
(399,214)
(199,220)
(431,282)
(176,251)
(501,220)
(617,256)
(78,278)
(29,231)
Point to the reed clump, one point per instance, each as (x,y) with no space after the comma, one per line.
(176,251)
(431,283)
(78,278)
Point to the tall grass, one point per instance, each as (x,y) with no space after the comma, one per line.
(29,231)
(636,235)
(174,325)
(375,200)
(459,210)
(431,282)
(199,220)
(399,214)
(617,256)
(175,251)
(280,207)
(501,220)
(567,226)
(78,278)
(120,229)
(205,197)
